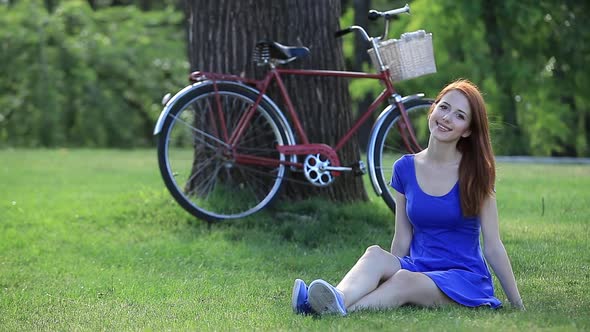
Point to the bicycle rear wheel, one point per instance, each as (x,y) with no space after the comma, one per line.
(198,166)
(390,145)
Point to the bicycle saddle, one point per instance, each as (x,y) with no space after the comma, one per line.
(266,50)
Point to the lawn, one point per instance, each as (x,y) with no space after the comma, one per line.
(90,240)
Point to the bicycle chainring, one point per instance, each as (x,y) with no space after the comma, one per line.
(315,171)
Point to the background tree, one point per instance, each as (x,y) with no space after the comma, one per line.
(92,72)
(222,36)
(78,77)
(527,56)
(361,61)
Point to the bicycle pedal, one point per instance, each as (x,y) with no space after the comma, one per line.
(359,168)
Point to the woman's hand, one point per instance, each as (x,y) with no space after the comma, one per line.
(518,304)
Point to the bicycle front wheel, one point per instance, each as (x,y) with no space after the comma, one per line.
(390,144)
(200,168)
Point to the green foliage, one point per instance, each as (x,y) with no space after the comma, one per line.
(83,77)
(91,240)
(539,76)
(346,20)
(78,77)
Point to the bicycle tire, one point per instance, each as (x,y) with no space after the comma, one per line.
(196,164)
(389,144)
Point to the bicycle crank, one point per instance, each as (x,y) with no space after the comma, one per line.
(316,172)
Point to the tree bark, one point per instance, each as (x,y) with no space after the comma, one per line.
(222,35)
(361,18)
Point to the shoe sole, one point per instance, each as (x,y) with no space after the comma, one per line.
(295,294)
(323,300)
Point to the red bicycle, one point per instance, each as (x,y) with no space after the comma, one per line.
(225,147)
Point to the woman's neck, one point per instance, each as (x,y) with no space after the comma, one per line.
(442,153)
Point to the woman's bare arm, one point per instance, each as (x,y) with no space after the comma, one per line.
(495,253)
(400,245)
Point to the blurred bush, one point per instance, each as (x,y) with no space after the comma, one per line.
(79,77)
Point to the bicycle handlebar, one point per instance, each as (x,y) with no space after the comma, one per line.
(390,14)
(374,15)
(342,32)
(352,28)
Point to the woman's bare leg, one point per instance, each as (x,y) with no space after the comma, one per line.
(404,287)
(375,266)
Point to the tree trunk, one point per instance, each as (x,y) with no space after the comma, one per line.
(145,5)
(49,5)
(92,4)
(361,18)
(222,35)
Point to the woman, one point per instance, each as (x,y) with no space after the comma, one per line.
(445,196)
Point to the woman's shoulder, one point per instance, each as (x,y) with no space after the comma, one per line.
(404,161)
(402,170)
(406,157)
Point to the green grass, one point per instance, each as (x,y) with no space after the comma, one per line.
(91,240)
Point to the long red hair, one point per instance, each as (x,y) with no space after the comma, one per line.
(477,170)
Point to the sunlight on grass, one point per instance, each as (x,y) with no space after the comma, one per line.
(91,240)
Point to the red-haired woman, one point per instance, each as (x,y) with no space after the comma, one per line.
(445,198)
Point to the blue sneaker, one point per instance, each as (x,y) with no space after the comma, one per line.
(325,298)
(299,298)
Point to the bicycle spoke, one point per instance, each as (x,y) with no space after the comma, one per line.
(221,108)
(256,179)
(211,184)
(283,178)
(259,152)
(247,183)
(235,110)
(206,164)
(202,133)
(203,165)
(208,185)
(390,144)
(251,138)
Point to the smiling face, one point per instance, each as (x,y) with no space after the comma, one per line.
(451,117)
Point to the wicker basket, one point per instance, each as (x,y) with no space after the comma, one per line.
(408,57)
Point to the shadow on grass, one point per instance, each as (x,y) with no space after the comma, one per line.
(312,224)
(309,224)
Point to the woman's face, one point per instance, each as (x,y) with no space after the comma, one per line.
(451,117)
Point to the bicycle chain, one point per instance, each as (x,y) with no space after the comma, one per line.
(286,178)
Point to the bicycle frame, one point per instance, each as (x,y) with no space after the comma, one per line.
(243,143)
(305,147)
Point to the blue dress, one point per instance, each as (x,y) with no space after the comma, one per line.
(445,245)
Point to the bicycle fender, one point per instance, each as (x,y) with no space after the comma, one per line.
(281,117)
(373,137)
(371,147)
(170,102)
